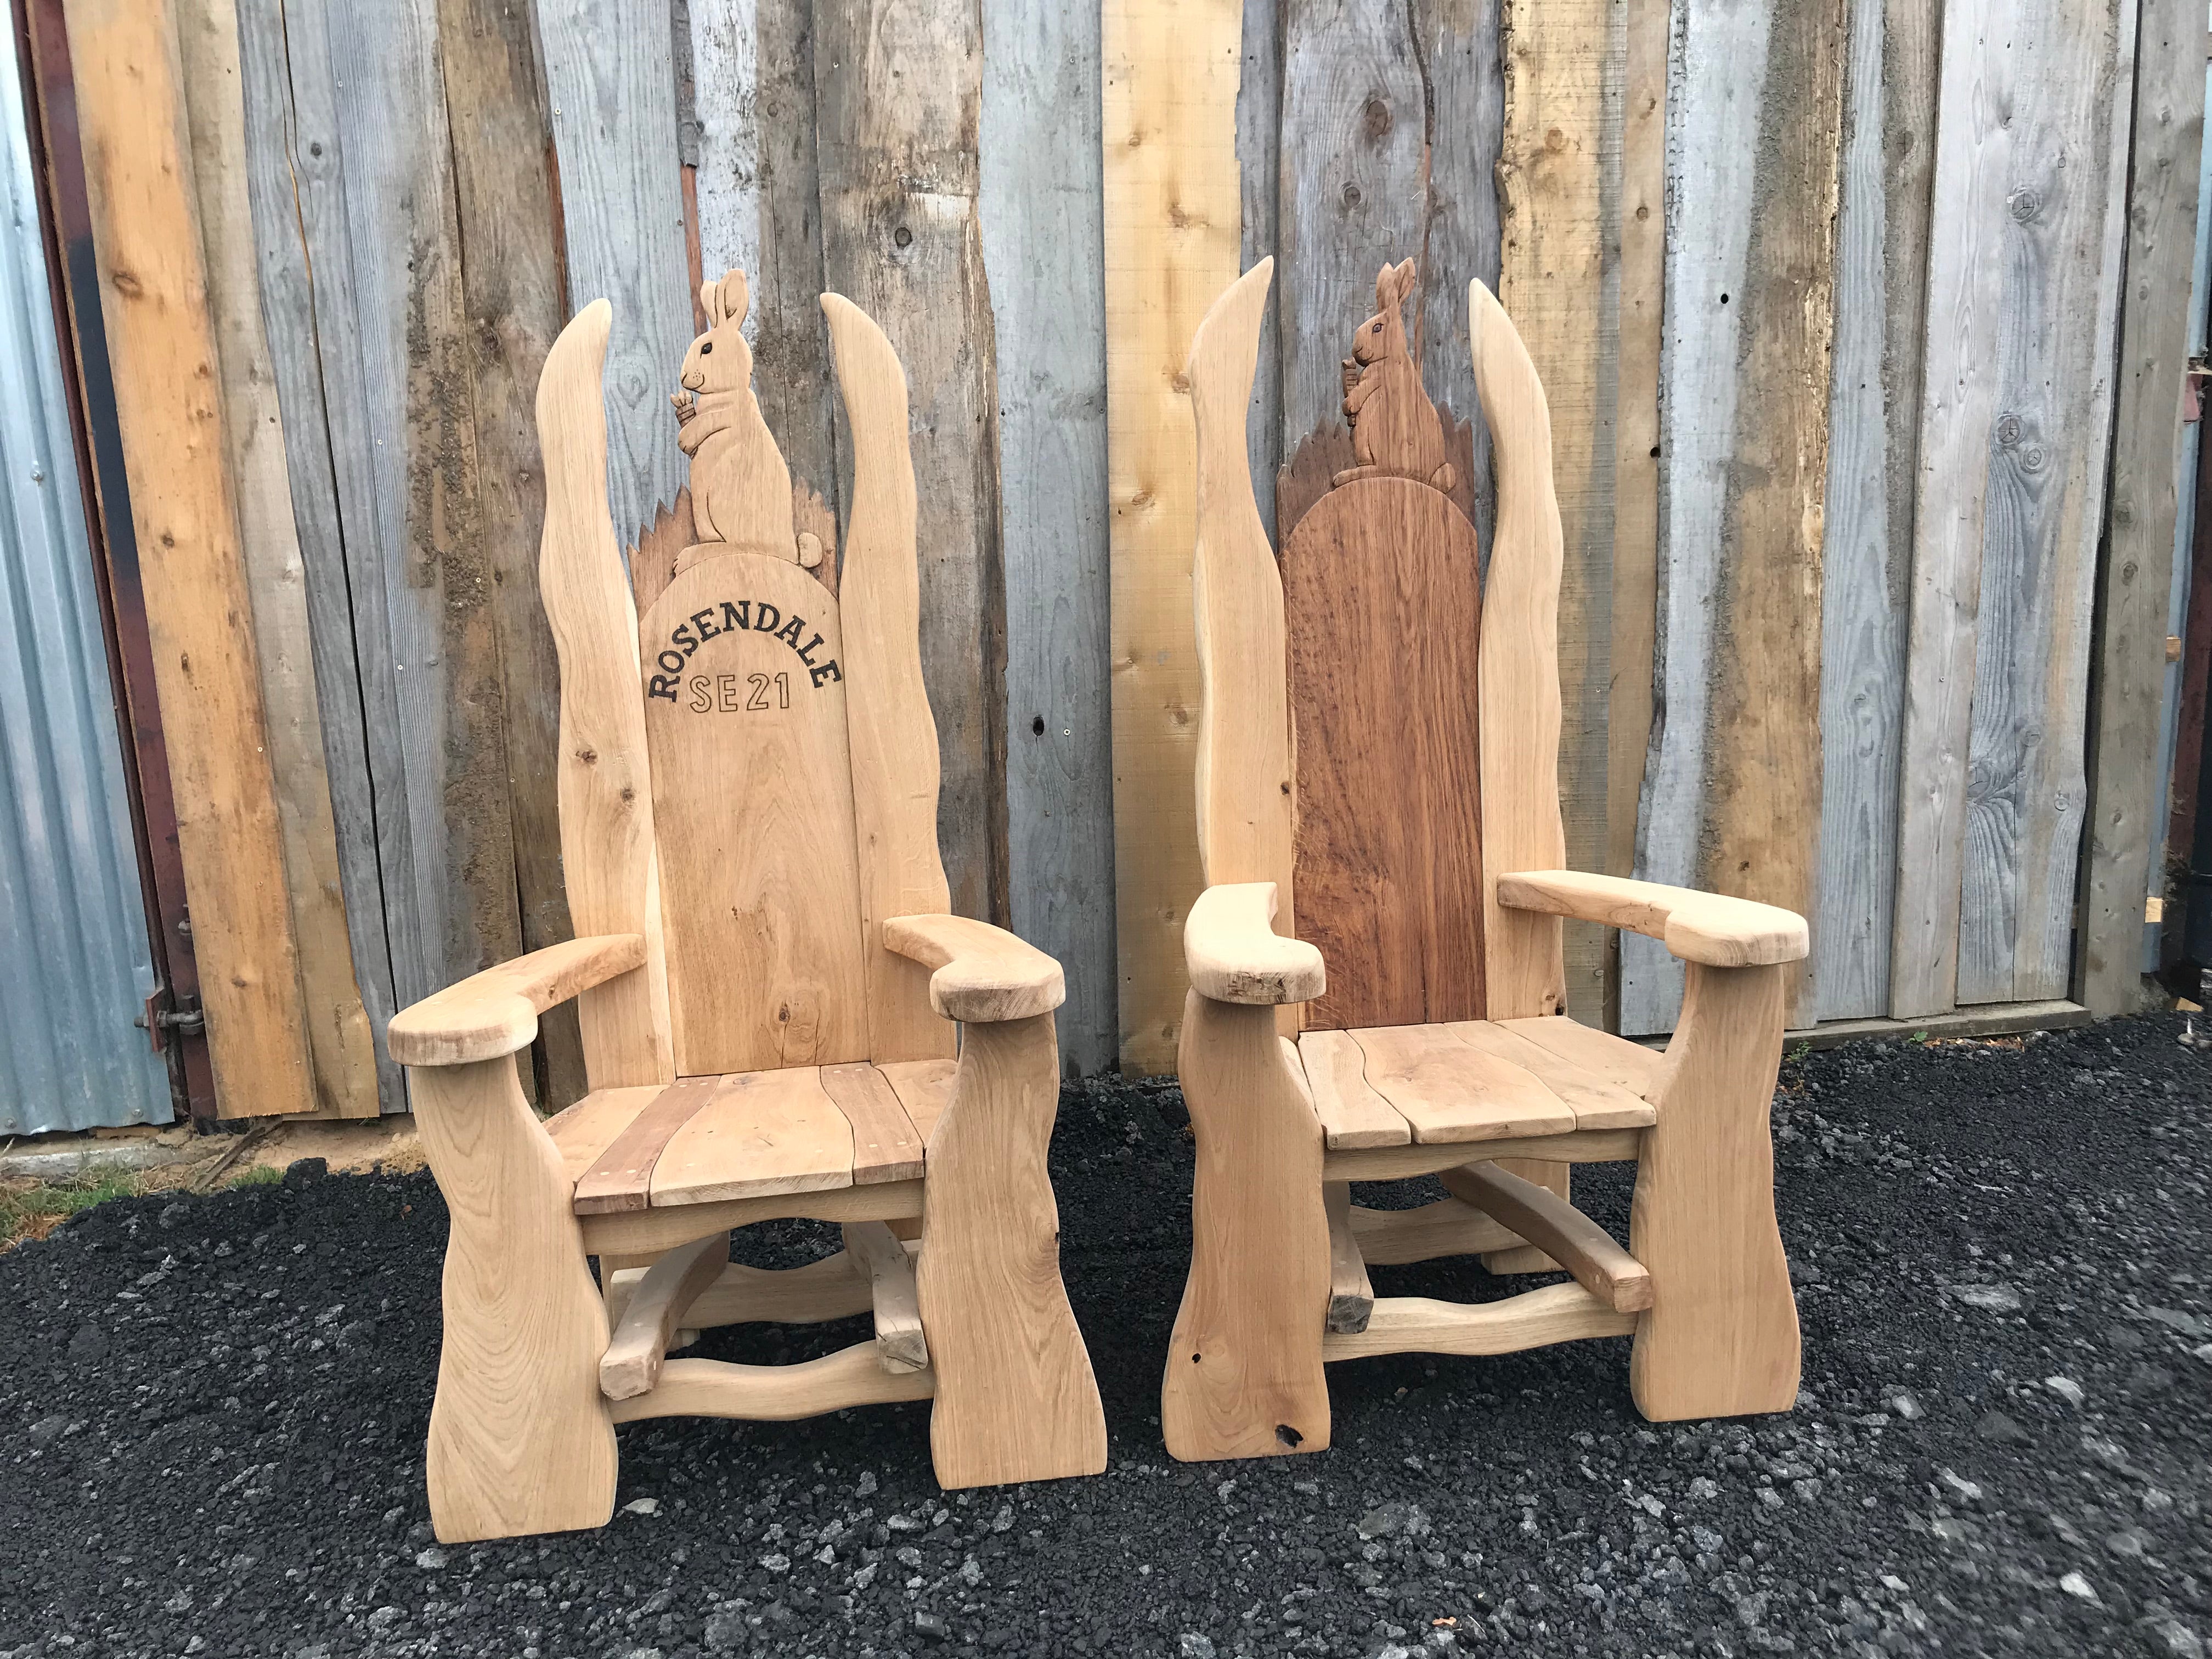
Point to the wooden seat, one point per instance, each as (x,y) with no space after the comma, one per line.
(751,1134)
(771,990)
(1375,965)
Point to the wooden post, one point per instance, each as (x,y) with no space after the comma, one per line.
(2135,585)
(1168,90)
(161,342)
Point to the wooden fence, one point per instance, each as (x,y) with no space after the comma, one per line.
(1836,342)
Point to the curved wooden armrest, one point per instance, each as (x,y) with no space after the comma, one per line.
(496,1012)
(1721,932)
(983,974)
(1233,955)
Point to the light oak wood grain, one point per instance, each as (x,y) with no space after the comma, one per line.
(1352,1113)
(496,1012)
(1558,1229)
(653,1310)
(607,853)
(745,719)
(979,974)
(886,1145)
(1243,1367)
(1707,927)
(1450,1091)
(1351,1297)
(1625,1065)
(924,1087)
(648,1232)
(1420,1158)
(519,1438)
(776,1393)
(894,743)
(1599,1102)
(1535,1319)
(621,1176)
(877,1253)
(760,1133)
(1233,953)
(1446,1227)
(824,1290)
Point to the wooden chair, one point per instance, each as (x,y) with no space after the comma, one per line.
(1378,742)
(764,973)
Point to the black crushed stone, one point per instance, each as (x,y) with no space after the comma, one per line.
(218,1409)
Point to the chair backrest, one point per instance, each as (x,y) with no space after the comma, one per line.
(748,773)
(1380,721)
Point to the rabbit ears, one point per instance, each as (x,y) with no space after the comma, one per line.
(724,302)
(1393,284)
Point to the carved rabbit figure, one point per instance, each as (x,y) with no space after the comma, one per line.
(1395,430)
(740,487)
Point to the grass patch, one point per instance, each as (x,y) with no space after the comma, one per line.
(33,1209)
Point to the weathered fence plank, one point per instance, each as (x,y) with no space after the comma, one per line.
(1169,93)
(340,1048)
(610,82)
(504,193)
(1873,416)
(1041,211)
(1259,162)
(898,90)
(1560,179)
(1731,804)
(2023,292)
(2137,583)
(161,341)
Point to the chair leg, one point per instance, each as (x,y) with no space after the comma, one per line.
(1016,1396)
(520,1441)
(1245,1376)
(1721,1337)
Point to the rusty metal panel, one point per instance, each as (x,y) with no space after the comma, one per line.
(75,965)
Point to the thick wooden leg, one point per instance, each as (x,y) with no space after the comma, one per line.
(520,1441)
(1721,1337)
(1016,1397)
(1244,1375)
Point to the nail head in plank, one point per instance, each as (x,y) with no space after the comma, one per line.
(1448,1090)
(886,1144)
(622,1176)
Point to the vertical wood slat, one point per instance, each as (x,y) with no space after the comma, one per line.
(340,1048)
(1731,803)
(2023,292)
(1642,215)
(1873,414)
(1169,80)
(161,341)
(609,81)
(898,89)
(511,287)
(2136,583)
(1559,178)
(1040,211)
(1259,162)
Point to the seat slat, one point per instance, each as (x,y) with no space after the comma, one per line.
(1351,1114)
(622,1176)
(1626,1064)
(924,1087)
(587,1128)
(886,1145)
(1450,1091)
(1598,1103)
(761,1132)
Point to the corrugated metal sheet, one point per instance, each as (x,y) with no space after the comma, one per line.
(74,965)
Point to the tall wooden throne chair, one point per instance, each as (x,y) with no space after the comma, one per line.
(1377,984)
(767,982)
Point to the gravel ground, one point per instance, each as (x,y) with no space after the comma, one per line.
(217,1407)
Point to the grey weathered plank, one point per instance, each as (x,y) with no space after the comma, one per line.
(2137,578)
(341,1048)
(1881,268)
(511,284)
(1259,164)
(2023,298)
(1352,164)
(1732,801)
(609,81)
(312,319)
(897,90)
(1042,222)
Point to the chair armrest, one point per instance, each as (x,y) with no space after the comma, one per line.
(983,974)
(496,1012)
(1233,955)
(1721,932)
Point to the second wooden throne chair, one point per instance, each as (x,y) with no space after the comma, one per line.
(1375,965)
(767,982)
